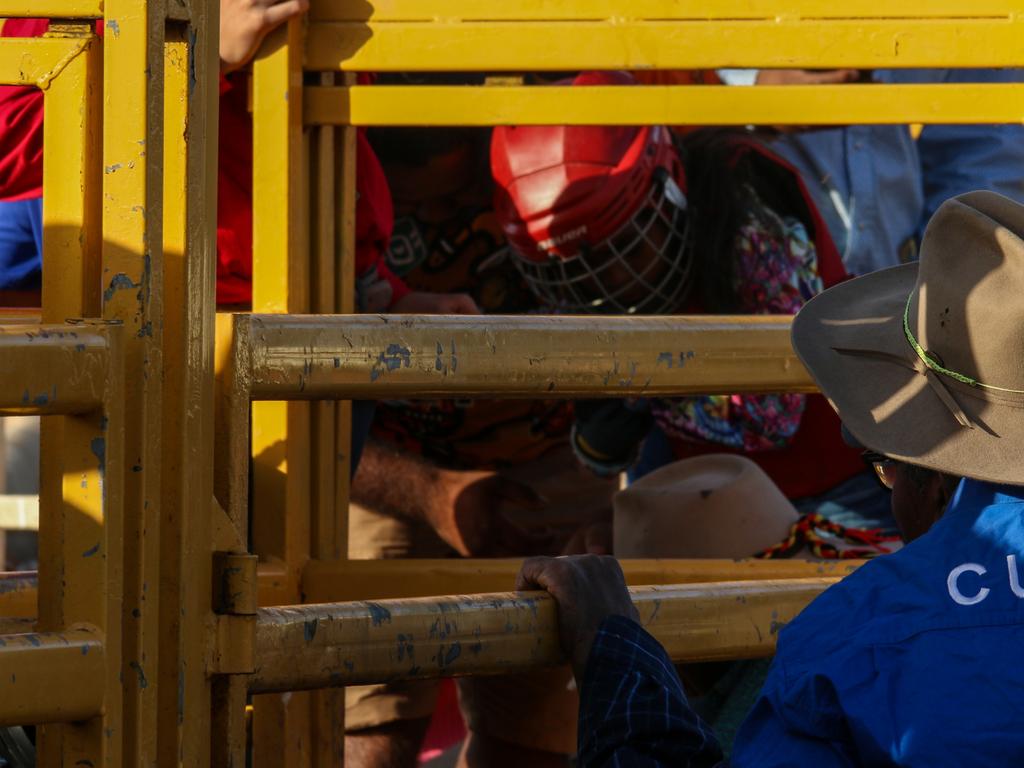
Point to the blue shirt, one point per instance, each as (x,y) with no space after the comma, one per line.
(876,187)
(913,660)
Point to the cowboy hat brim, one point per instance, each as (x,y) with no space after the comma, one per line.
(851,339)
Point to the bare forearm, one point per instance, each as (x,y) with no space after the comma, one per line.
(395,482)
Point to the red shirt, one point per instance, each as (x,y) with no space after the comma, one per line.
(21,126)
(21,177)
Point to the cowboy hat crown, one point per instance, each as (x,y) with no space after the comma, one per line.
(925,362)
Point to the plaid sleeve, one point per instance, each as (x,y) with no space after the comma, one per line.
(633,711)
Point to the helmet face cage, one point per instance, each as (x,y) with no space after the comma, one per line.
(607,279)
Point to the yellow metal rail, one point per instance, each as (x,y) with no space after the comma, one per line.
(18,596)
(335,581)
(67,9)
(313,646)
(146,591)
(52,677)
(400,105)
(531,35)
(293,357)
(304,167)
(61,368)
(657,10)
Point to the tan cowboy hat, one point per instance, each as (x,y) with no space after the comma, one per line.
(718,505)
(925,362)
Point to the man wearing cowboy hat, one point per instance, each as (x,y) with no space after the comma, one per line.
(913,659)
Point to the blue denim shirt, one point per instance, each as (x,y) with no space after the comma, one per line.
(876,187)
(913,660)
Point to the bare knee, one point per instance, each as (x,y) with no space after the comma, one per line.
(394,745)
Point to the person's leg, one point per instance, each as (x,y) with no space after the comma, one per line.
(480,750)
(385,724)
(515,720)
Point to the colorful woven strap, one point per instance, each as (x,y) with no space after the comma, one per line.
(808,530)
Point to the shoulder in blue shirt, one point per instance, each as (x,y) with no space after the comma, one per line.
(912,660)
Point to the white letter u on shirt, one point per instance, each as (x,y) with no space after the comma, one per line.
(954,590)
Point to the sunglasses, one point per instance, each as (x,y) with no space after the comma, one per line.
(883,466)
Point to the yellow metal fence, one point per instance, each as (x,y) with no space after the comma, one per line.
(304,166)
(154,622)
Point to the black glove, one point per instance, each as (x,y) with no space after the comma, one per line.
(606,435)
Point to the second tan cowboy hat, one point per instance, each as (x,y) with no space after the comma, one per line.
(719,505)
(925,362)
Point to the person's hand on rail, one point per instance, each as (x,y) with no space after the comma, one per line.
(244,24)
(587,589)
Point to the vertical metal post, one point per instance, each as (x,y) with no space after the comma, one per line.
(192,729)
(81,484)
(281,436)
(131,285)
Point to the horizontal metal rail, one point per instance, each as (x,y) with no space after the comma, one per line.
(628,43)
(339,581)
(656,10)
(51,9)
(53,369)
(653,104)
(19,594)
(51,677)
(36,61)
(317,357)
(314,646)
(20,316)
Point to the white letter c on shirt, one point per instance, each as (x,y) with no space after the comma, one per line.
(954,590)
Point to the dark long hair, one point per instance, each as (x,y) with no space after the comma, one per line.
(722,169)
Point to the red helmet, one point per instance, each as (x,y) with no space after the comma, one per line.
(595,214)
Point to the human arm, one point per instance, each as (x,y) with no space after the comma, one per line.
(633,711)
(961,158)
(460,505)
(245,23)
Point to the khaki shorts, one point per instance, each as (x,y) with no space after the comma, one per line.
(537,709)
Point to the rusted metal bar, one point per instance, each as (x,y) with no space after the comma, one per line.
(19,592)
(333,644)
(328,582)
(309,357)
(53,369)
(51,677)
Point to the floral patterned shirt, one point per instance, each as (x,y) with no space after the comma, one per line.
(776,268)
